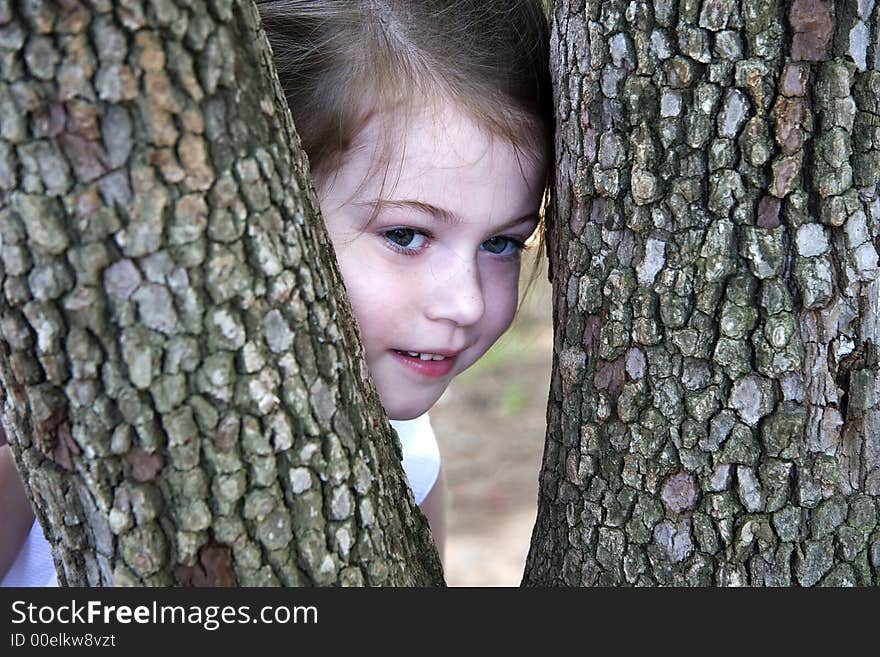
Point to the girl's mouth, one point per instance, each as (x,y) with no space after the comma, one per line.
(431,365)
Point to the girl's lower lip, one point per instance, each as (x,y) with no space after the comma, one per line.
(432,368)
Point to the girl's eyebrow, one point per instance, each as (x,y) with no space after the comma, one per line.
(440,214)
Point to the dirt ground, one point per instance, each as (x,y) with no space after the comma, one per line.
(490,428)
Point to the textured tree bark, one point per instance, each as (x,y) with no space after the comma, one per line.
(185,389)
(714,415)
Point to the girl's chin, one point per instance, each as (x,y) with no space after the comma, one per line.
(407,411)
(403,415)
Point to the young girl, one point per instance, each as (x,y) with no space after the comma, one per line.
(427,124)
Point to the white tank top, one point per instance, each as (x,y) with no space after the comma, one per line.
(421,462)
(421,457)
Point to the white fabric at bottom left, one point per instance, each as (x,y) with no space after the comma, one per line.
(33,566)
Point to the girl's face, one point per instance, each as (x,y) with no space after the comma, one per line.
(436,272)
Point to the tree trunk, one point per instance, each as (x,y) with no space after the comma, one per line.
(714,414)
(185,390)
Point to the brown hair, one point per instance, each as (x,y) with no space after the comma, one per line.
(341,61)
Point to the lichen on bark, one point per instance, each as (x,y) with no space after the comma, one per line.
(745,415)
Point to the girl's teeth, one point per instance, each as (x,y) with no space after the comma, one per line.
(416,354)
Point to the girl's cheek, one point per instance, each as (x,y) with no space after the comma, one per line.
(502,318)
(505,295)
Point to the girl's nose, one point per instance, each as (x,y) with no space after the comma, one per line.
(457,296)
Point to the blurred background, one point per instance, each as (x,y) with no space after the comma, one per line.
(490,428)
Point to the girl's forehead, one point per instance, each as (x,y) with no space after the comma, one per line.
(417,130)
(463,173)
(419,138)
(434,154)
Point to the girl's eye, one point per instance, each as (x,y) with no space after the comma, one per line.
(504,246)
(406,240)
